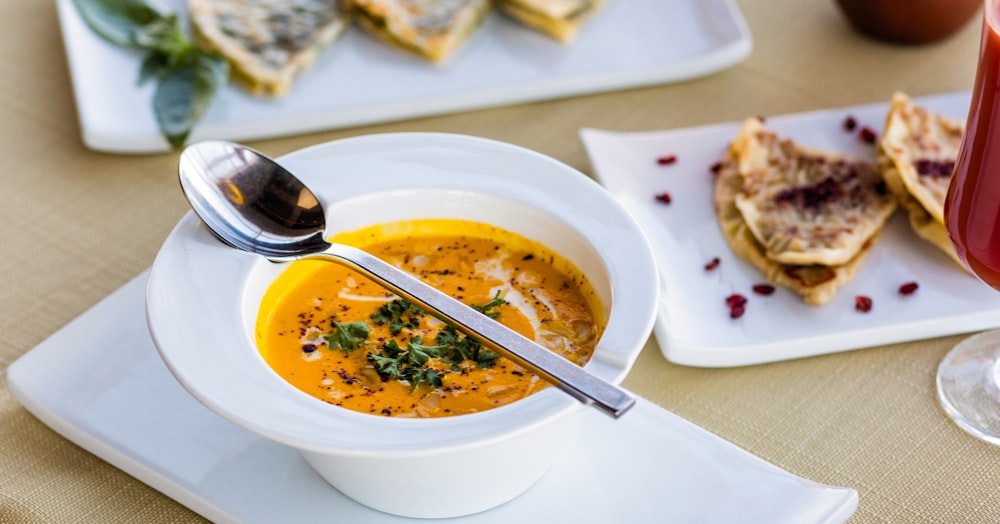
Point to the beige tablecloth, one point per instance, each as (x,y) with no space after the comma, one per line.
(77,224)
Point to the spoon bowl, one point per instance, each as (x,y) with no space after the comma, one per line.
(252,203)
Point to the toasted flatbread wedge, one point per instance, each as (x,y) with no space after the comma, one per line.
(268,43)
(917,153)
(430,28)
(816,283)
(803,205)
(560,19)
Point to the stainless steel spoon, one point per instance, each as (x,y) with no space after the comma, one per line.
(252,203)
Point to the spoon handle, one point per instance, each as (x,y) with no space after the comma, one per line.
(555,369)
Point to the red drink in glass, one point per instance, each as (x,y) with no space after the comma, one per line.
(972,209)
(968,378)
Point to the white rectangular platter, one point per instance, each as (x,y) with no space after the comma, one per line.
(360,80)
(100,383)
(693,326)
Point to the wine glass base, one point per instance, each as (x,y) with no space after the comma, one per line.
(967,385)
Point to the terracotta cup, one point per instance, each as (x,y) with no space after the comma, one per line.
(909,21)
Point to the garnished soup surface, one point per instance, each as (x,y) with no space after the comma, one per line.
(345,340)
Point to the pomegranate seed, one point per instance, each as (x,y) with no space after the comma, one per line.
(763,289)
(666,160)
(664,197)
(867,135)
(736,300)
(712,264)
(737,305)
(863,303)
(908,288)
(850,123)
(737,311)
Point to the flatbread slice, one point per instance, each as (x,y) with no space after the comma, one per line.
(817,284)
(917,153)
(807,206)
(268,43)
(560,19)
(430,28)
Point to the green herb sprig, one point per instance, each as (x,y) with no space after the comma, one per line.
(187,77)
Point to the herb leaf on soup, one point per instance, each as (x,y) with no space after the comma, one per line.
(489,307)
(347,337)
(399,313)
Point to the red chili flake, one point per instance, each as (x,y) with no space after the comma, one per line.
(867,135)
(712,264)
(716,167)
(666,160)
(664,197)
(908,288)
(850,123)
(763,289)
(863,303)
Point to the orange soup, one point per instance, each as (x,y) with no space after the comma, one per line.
(344,339)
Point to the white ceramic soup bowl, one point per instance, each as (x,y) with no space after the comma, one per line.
(203,298)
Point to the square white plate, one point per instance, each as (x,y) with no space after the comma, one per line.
(694,327)
(100,383)
(360,80)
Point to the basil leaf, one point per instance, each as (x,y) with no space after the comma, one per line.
(153,66)
(117,21)
(166,37)
(185,92)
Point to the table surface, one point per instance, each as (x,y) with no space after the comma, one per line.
(77,224)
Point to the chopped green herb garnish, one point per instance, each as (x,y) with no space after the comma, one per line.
(462,348)
(419,354)
(347,337)
(410,364)
(399,314)
(488,308)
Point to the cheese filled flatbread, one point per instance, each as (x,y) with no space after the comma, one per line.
(805,206)
(917,153)
(816,283)
(430,28)
(560,19)
(268,43)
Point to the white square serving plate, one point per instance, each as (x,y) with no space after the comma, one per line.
(693,326)
(100,383)
(360,80)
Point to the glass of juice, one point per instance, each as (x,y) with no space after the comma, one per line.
(967,379)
